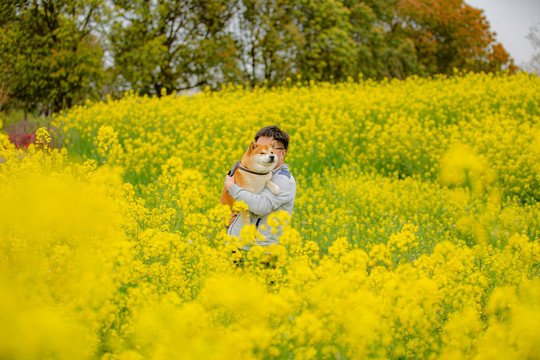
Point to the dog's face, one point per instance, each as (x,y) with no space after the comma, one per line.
(261,157)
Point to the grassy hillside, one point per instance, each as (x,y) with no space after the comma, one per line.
(415,232)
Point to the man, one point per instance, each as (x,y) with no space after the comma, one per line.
(262,205)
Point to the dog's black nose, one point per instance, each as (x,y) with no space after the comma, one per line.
(271,157)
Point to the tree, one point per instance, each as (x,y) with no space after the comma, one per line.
(268,40)
(450,34)
(52,54)
(174,45)
(50,58)
(384,50)
(534,37)
(329,52)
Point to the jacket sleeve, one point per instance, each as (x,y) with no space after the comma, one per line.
(266,202)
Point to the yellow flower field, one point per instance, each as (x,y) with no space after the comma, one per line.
(415,232)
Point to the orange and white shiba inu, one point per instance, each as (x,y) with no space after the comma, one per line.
(254,171)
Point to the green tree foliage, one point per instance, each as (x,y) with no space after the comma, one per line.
(52,50)
(268,40)
(330,52)
(384,50)
(50,59)
(185,45)
(174,45)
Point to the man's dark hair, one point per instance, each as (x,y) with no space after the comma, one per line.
(274,132)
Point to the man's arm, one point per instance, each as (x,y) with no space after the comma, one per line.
(265,202)
(229,181)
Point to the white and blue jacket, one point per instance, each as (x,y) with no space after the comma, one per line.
(263,204)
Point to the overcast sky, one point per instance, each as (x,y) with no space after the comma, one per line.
(511,20)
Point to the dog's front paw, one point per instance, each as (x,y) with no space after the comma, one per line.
(273,187)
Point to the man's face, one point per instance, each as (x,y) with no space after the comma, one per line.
(280,150)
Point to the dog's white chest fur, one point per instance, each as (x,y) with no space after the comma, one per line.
(256,183)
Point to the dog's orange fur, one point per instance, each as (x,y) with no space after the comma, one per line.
(256,158)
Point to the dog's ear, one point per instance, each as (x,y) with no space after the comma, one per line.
(252,146)
(274,144)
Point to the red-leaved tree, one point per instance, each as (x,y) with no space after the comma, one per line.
(451,34)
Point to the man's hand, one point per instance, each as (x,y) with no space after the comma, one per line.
(229,181)
(234,215)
